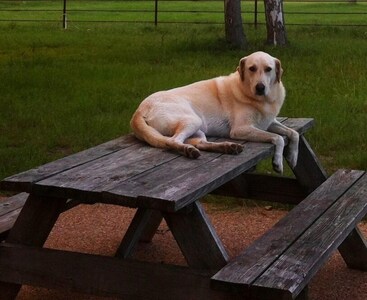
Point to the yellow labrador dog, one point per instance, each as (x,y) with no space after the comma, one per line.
(242,105)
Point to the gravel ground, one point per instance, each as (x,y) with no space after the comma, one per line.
(98,229)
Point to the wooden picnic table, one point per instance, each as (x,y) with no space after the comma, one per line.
(160,184)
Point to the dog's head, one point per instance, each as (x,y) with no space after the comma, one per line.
(260,72)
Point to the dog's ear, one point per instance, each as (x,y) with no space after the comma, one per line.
(241,68)
(278,69)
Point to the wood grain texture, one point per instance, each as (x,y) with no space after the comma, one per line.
(9,211)
(187,184)
(100,174)
(246,268)
(292,271)
(9,204)
(182,181)
(23,181)
(130,173)
(301,125)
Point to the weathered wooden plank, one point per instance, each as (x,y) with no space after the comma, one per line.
(9,211)
(7,221)
(243,270)
(308,171)
(264,187)
(85,182)
(182,181)
(301,125)
(197,238)
(23,181)
(9,204)
(354,250)
(156,179)
(105,276)
(86,174)
(185,187)
(298,264)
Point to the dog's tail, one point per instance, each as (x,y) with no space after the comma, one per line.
(147,133)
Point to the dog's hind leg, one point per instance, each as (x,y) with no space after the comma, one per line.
(184,149)
(200,142)
(182,132)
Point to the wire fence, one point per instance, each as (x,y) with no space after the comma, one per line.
(297,12)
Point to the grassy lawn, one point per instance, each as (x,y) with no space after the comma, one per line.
(64,91)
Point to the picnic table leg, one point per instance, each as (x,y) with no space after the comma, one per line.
(308,171)
(32,228)
(354,250)
(197,238)
(151,227)
(143,226)
(303,295)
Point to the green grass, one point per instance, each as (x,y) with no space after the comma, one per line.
(64,91)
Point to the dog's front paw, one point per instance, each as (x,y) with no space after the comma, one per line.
(292,158)
(278,165)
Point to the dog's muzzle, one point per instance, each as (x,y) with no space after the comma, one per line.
(260,89)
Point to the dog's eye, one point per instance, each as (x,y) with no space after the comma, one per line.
(252,69)
(268,69)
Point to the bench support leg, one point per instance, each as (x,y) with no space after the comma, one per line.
(151,227)
(193,233)
(32,228)
(143,226)
(354,250)
(303,295)
(308,171)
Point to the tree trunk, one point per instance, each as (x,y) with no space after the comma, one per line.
(233,24)
(275,26)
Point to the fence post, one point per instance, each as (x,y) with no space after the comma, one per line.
(156,13)
(255,14)
(64,17)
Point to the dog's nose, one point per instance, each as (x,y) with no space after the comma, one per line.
(260,89)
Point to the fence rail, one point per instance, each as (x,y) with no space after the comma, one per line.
(307,13)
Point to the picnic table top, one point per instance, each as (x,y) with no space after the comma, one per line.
(127,172)
(160,184)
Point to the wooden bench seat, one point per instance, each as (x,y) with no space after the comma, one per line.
(9,211)
(280,264)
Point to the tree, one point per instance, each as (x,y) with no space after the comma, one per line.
(275,26)
(233,23)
